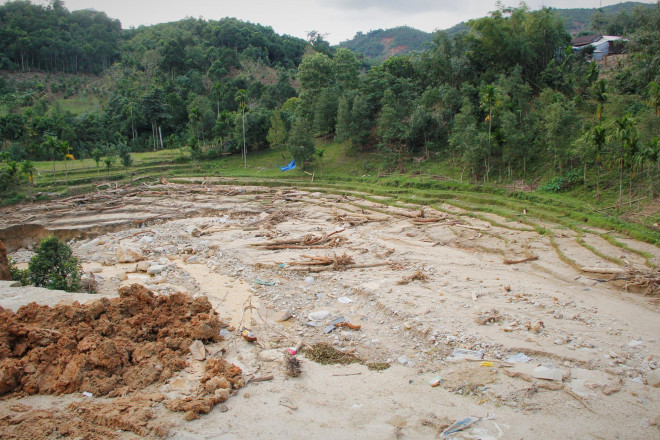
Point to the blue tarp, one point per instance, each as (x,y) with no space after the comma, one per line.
(291,166)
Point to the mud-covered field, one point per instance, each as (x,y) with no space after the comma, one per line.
(474,317)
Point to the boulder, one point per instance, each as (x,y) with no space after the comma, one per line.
(129,253)
(653,379)
(142,266)
(5,275)
(155,269)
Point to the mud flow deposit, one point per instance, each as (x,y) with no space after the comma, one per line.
(237,312)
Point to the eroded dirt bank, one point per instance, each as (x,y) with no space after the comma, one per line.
(422,288)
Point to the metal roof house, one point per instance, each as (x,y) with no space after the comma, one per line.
(602,44)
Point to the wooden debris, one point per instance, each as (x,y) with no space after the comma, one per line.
(309,241)
(524,260)
(350,266)
(337,262)
(260,379)
(292,366)
(428,220)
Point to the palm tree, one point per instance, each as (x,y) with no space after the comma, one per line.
(51,146)
(28,169)
(654,95)
(598,139)
(600,95)
(12,169)
(624,130)
(241,98)
(64,148)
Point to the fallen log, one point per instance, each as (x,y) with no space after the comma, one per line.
(327,268)
(524,260)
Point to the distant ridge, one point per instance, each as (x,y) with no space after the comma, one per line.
(378,45)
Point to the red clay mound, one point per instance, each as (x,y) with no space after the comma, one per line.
(108,346)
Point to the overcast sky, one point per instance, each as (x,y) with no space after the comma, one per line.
(339,19)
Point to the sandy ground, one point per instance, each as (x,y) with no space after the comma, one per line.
(602,341)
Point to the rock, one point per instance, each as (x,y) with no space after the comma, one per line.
(198,350)
(122,276)
(193,230)
(548,373)
(95,269)
(405,360)
(579,387)
(4,283)
(142,266)
(310,280)
(612,387)
(223,408)
(319,315)
(283,316)
(147,239)
(155,269)
(5,275)
(653,379)
(129,253)
(635,343)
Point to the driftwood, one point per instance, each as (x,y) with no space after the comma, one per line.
(605,270)
(306,242)
(524,260)
(328,268)
(428,220)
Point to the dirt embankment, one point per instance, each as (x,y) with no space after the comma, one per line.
(109,347)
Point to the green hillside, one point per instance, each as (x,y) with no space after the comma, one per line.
(377,46)
(381,44)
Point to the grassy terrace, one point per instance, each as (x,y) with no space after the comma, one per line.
(339,173)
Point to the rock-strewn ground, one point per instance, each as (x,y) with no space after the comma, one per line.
(421,291)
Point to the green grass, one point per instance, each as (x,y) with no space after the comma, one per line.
(79,104)
(357,174)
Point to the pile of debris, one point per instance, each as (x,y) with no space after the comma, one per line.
(113,347)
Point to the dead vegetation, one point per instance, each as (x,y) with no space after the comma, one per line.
(310,241)
(417,276)
(326,354)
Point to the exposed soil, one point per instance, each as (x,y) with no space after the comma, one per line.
(416,291)
(111,347)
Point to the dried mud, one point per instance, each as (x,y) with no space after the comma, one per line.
(108,347)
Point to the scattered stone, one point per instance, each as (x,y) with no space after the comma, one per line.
(155,269)
(129,253)
(518,357)
(548,372)
(319,315)
(9,284)
(635,343)
(653,379)
(122,276)
(310,280)
(462,353)
(283,316)
(95,269)
(344,300)
(223,408)
(612,387)
(198,350)
(405,360)
(142,266)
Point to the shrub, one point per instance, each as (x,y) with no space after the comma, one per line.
(54,266)
(20,275)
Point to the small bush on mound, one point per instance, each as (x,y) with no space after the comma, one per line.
(54,266)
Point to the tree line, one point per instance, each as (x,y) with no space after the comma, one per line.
(507,99)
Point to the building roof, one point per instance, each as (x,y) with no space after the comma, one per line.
(587,39)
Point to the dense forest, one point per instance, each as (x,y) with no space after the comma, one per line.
(507,99)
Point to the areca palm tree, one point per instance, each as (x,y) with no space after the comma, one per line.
(624,130)
(64,148)
(241,98)
(28,169)
(598,139)
(51,145)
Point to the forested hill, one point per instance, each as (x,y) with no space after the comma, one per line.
(52,39)
(379,45)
